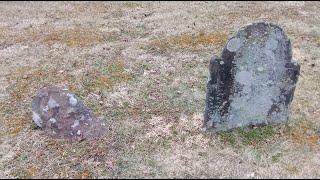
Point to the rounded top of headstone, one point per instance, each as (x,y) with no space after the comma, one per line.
(266,36)
(260,29)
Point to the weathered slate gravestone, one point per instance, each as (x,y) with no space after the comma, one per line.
(254,80)
(61,114)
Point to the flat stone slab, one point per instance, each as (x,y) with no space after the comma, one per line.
(253,81)
(61,114)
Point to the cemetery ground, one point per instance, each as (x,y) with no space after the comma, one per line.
(143,67)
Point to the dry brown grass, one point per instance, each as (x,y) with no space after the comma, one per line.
(186,41)
(301,136)
(107,76)
(75,37)
(85,174)
(153,102)
(78,36)
(24,81)
(16,124)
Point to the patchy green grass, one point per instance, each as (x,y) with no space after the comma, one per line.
(229,138)
(275,158)
(256,135)
(249,136)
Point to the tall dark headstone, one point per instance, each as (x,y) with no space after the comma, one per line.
(253,81)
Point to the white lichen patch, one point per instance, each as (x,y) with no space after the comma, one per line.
(37,119)
(52,103)
(82,118)
(244,77)
(234,44)
(75,124)
(71,110)
(45,109)
(53,120)
(272,44)
(72,100)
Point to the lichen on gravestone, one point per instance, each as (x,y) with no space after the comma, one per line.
(61,114)
(253,81)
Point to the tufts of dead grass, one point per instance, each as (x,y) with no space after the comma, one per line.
(303,135)
(156,112)
(187,41)
(75,37)
(104,77)
(78,36)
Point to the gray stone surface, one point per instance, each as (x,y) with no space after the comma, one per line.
(61,114)
(253,81)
